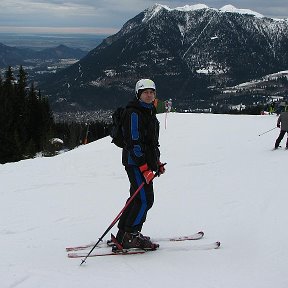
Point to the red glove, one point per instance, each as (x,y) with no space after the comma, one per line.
(161,168)
(147,173)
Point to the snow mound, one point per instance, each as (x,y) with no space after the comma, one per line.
(232,9)
(192,7)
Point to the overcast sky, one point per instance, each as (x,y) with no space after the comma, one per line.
(103,16)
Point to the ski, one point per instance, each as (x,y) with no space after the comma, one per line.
(209,246)
(279,148)
(82,255)
(195,236)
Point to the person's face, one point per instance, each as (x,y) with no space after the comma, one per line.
(148,96)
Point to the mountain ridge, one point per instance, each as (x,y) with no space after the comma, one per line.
(10,55)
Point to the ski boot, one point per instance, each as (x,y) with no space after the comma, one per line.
(137,241)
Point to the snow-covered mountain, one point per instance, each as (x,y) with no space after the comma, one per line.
(185,50)
(221,178)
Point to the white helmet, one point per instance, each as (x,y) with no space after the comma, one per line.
(143,84)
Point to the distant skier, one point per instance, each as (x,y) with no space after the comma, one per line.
(168,105)
(282,123)
(141,158)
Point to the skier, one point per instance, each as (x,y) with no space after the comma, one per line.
(141,158)
(282,123)
(168,105)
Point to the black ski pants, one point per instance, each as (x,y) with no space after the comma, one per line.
(280,137)
(135,214)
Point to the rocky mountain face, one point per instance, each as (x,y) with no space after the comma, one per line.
(189,52)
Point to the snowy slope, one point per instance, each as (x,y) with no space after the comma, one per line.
(221,178)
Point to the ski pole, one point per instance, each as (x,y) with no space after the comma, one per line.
(267,131)
(115,220)
(118,216)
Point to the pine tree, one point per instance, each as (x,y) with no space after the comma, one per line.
(20,109)
(1,83)
(9,76)
(2,117)
(45,120)
(9,149)
(32,119)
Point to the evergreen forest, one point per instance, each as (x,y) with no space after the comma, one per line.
(27,126)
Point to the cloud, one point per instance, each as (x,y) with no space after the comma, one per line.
(57,30)
(28,7)
(49,13)
(55,13)
(108,13)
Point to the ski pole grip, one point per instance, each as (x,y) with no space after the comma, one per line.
(157,174)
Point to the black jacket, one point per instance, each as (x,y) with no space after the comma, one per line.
(141,135)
